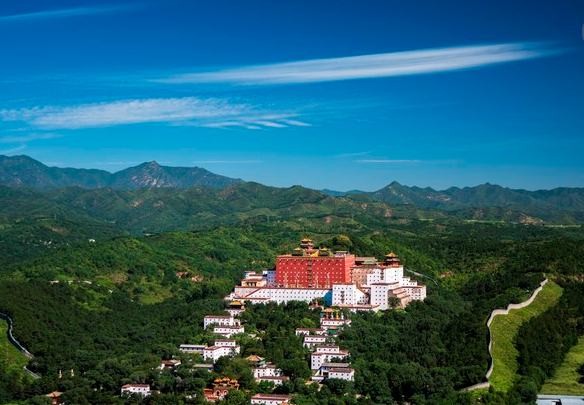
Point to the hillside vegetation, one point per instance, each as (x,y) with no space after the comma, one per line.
(568,379)
(107,282)
(504,328)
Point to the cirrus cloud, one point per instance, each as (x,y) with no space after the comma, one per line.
(187,111)
(422,61)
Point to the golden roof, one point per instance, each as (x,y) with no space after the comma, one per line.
(236,303)
(254,357)
(391,255)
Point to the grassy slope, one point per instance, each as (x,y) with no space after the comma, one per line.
(505,327)
(13,358)
(565,379)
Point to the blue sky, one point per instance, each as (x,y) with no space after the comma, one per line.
(331,94)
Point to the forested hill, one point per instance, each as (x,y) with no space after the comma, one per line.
(541,203)
(25,171)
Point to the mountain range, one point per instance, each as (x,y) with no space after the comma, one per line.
(227,195)
(25,171)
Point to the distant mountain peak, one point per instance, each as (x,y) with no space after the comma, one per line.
(25,171)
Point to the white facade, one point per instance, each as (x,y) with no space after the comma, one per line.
(235,311)
(271,277)
(270,399)
(327,323)
(347,374)
(266,371)
(192,348)
(386,275)
(323,371)
(326,354)
(140,389)
(310,331)
(281,294)
(417,292)
(228,331)
(223,320)
(276,380)
(213,353)
(348,294)
(313,340)
(225,343)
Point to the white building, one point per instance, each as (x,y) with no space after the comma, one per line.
(349,294)
(372,285)
(280,294)
(222,320)
(311,341)
(271,277)
(347,374)
(225,343)
(324,354)
(270,399)
(228,331)
(323,371)
(197,349)
(417,292)
(269,370)
(276,380)
(221,348)
(140,389)
(328,323)
(213,353)
(310,331)
(382,292)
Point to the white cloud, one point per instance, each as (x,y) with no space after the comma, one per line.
(415,62)
(13,150)
(353,154)
(199,162)
(72,12)
(187,111)
(388,161)
(297,123)
(29,137)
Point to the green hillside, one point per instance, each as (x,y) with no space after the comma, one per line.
(567,379)
(504,328)
(11,359)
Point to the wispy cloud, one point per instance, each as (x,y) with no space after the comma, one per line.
(28,137)
(48,14)
(200,162)
(415,62)
(388,161)
(353,154)
(12,150)
(187,111)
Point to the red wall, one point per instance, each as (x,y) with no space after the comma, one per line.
(293,270)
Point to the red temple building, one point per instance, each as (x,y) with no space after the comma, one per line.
(310,267)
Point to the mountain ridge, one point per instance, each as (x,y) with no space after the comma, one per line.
(18,171)
(560,205)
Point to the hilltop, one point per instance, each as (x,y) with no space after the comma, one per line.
(25,171)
